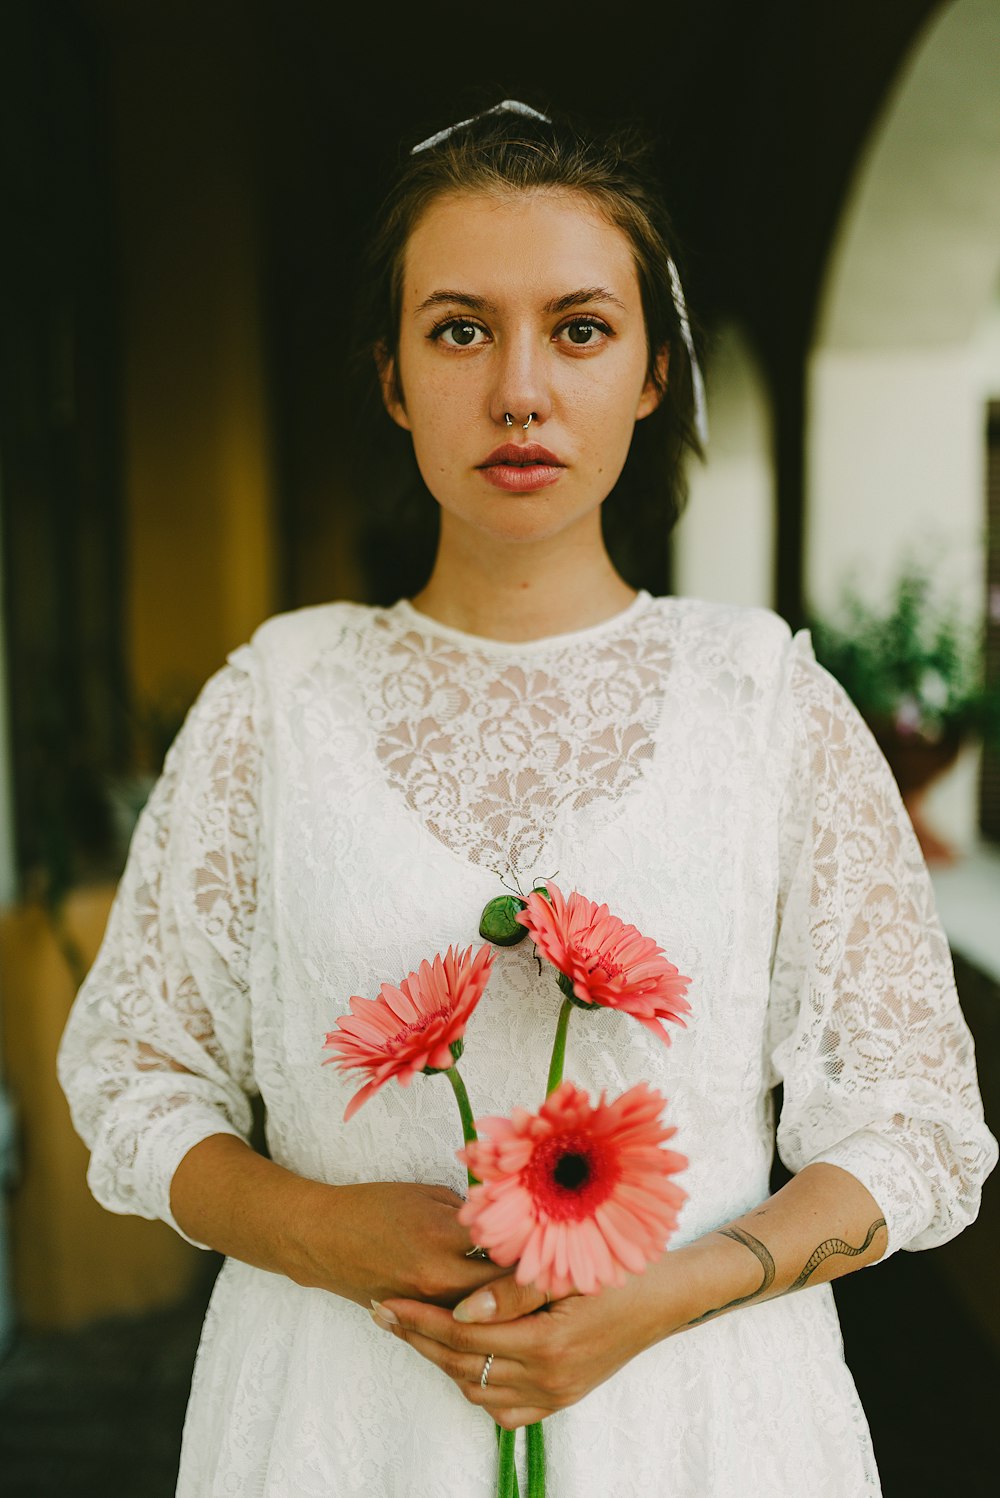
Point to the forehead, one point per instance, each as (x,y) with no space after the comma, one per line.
(547,239)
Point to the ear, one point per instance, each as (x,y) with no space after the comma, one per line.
(392,394)
(656,384)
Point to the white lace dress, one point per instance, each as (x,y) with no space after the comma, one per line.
(335,809)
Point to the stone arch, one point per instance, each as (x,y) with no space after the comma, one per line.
(902,360)
(906,352)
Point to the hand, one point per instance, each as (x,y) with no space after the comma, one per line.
(363,1242)
(546,1356)
(382,1239)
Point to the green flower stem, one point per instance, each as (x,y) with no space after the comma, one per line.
(535,1434)
(506,1470)
(465,1109)
(559,1047)
(536,1460)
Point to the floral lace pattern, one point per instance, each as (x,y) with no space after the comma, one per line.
(334,810)
(494,754)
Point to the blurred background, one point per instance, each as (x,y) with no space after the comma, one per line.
(185,188)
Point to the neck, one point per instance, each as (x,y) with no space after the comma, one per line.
(519,590)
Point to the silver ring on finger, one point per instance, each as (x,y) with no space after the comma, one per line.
(486,1371)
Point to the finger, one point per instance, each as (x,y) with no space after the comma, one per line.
(502,1300)
(505,1377)
(516,1339)
(420,1318)
(514,1419)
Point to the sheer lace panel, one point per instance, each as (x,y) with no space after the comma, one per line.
(152,1049)
(863,986)
(493,753)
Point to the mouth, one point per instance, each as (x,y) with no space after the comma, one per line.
(521,467)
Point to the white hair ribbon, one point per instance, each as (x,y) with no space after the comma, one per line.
(514,106)
(697,383)
(507,106)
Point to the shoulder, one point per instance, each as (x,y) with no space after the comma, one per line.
(301,635)
(236,701)
(741,637)
(304,631)
(758,643)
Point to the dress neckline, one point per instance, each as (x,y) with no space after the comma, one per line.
(408,613)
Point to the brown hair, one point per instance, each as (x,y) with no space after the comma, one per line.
(506,152)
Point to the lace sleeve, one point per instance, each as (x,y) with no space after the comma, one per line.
(867,1035)
(156,1053)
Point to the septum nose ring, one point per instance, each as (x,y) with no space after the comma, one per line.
(509,420)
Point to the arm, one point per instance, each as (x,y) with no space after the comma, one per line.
(157,1054)
(156,1059)
(822,1224)
(881,1120)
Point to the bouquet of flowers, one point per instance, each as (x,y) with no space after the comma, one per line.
(577,1195)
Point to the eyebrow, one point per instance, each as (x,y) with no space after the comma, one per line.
(584,296)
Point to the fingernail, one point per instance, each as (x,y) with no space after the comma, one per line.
(479,1307)
(384,1314)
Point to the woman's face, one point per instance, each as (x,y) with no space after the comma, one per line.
(526,304)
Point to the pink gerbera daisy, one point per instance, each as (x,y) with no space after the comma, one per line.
(417,1027)
(579,1195)
(604,962)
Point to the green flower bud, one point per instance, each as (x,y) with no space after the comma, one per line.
(566,987)
(456,1048)
(498,922)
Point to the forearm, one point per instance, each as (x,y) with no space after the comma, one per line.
(822,1224)
(819,1226)
(227,1196)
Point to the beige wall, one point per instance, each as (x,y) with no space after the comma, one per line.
(200,575)
(200,542)
(723,545)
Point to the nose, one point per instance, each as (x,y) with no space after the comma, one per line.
(520,386)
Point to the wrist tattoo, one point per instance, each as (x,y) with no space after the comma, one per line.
(819,1255)
(760,1251)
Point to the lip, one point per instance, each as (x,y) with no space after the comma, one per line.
(520,454)
(521,467)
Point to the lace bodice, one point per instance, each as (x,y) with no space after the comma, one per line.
(343,799)
(495,750)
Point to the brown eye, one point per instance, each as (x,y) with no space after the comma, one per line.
(457,332)
(581,332)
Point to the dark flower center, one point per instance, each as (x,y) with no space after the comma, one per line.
(570,1175)
(571,1172)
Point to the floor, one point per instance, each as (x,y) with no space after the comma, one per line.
(98,1413)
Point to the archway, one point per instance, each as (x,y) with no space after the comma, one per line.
(906,356)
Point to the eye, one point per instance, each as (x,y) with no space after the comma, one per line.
(456,332)
(585,332)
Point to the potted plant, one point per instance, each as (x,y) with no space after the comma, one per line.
(916,673)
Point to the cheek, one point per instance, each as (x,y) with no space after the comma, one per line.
(607,409)
(433,396)
(436,424)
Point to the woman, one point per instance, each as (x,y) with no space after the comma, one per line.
(340,804)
